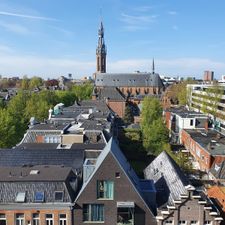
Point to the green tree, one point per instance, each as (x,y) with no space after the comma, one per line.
(154,131)
(25,83)
(35,82)
(128,115)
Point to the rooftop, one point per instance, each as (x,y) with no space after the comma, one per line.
(211,140)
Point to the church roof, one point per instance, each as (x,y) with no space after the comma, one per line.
(128,80)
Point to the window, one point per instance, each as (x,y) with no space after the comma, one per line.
(49,219)
(194,222)
(125,215)
(207,222)
(191,122)
(62,219)
(169,222)
(36,219)
(105,189)
(39,196)
(2,219)
(58,196)
(93,212)
(20,197)
(117,174)
(20,219)
(182,222)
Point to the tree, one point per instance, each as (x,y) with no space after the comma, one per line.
(25,83)
(35,82)
(128,116)
(154,131)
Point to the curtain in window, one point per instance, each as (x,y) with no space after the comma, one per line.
(97,212)
(109,189)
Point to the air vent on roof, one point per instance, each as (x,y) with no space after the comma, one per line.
(34,172)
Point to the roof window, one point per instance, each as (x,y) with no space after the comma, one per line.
(58,196)
(20,197)
(39,196)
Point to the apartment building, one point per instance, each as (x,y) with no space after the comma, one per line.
(210,99)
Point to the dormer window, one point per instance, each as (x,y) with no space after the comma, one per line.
(39,196)
(20,197)
(58,195)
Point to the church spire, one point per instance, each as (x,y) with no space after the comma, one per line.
(101,51)
(153,66)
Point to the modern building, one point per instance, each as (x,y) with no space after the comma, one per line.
(177,200)
(210,99)
(180,118)
(208,76)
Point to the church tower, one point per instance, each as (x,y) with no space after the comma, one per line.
(101,51)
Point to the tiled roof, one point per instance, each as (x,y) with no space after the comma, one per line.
(128,80)
(20,157)
(169,180)
(110,93)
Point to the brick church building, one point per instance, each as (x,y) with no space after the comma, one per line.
(130,87)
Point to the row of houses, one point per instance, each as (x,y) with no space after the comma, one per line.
(70,170)
(206,145)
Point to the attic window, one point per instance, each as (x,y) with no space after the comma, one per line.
(58,196)
(20,197)
(39,196)
(117,174)
(34,172)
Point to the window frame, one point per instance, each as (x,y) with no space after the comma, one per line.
(20,220)
(105,184)
(49,221)
(62,221)
(88,209)
(3,217)
(35,220)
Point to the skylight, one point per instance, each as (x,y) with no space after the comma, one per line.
(58,196)
(20,197)
(39,196)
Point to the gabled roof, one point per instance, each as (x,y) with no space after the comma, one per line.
(110,93)
(128,80)
(113,149)
(168,178)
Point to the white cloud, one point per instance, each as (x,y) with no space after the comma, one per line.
(15,65)
(172,13)
(3,13)
(137,22)
(145,8)
(15,28)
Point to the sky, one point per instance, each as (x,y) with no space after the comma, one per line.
(50,38)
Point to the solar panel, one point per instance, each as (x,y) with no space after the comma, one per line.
(39,196)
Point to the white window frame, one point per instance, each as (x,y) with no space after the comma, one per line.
(20,220)
(49,221)
(3,218)
(35,220)
(62,221)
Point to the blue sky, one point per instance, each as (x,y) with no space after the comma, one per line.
(50,38)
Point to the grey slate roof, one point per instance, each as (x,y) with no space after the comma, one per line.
(128,80)
(110,93)
(212,141)
(169,180)
(20,157)
(45,173)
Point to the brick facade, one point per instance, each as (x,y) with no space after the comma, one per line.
(123,192)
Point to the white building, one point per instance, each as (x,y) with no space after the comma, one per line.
(210,98)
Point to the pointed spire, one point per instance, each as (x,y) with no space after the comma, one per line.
(153,66)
